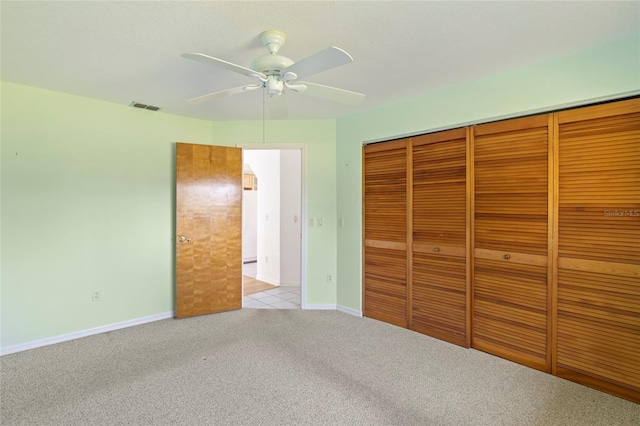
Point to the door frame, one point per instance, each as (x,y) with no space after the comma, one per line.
(303,206)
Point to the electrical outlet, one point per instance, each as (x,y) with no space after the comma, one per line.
(266,259)
(341,222)
(329,278)
(96,296)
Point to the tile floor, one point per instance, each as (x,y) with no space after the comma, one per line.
(283,297)
(276,298)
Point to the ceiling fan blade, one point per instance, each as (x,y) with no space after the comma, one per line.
(324,60)
(201,57)
(332,93)
(277,106)
(222,93)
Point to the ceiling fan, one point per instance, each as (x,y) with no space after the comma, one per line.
(275,73)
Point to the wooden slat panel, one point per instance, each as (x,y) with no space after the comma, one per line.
(599,195)
(439,297)
(511,237)
(385,244)
(599,326)
(447,135)
(439,191)
(612,109)
(385,195)
(511,187)
(385,146)
(385,285)
(598,306)
(511,125)
(510,309)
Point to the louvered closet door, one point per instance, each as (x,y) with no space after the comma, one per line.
(385,232)
(598,307)
(438,288)
(510,285)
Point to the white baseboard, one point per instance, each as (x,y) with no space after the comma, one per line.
(349,311)
(285,284)
(319,307)
(83,333)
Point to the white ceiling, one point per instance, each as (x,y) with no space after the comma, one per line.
(130,50)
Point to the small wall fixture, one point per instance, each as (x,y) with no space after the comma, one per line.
(143,106)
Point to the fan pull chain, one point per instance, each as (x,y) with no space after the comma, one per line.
(264,102)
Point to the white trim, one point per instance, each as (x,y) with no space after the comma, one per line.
(348,310)
(319,307)
(283,284)
(83,333)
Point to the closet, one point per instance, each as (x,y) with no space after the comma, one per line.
(511,232)
(438,302)
(598,265)
(385,232)
(520,238)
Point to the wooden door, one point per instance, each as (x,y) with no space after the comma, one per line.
(598,300)
(439,239)
(511,233)
(385,232)
(209,229)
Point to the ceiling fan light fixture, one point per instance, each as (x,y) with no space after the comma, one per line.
(274,86)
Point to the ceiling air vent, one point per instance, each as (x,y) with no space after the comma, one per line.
(143,106)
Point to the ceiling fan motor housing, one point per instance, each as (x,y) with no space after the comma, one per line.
(271,64)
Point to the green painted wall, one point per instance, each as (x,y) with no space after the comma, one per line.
(87,193)
(319,164)
(87,190)
(87,203)
(603,72)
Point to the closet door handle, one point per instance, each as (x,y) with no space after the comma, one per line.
(436,249)
(507,256)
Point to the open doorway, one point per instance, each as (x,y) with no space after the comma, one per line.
(272,231)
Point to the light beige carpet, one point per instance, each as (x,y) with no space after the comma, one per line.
(287,367)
